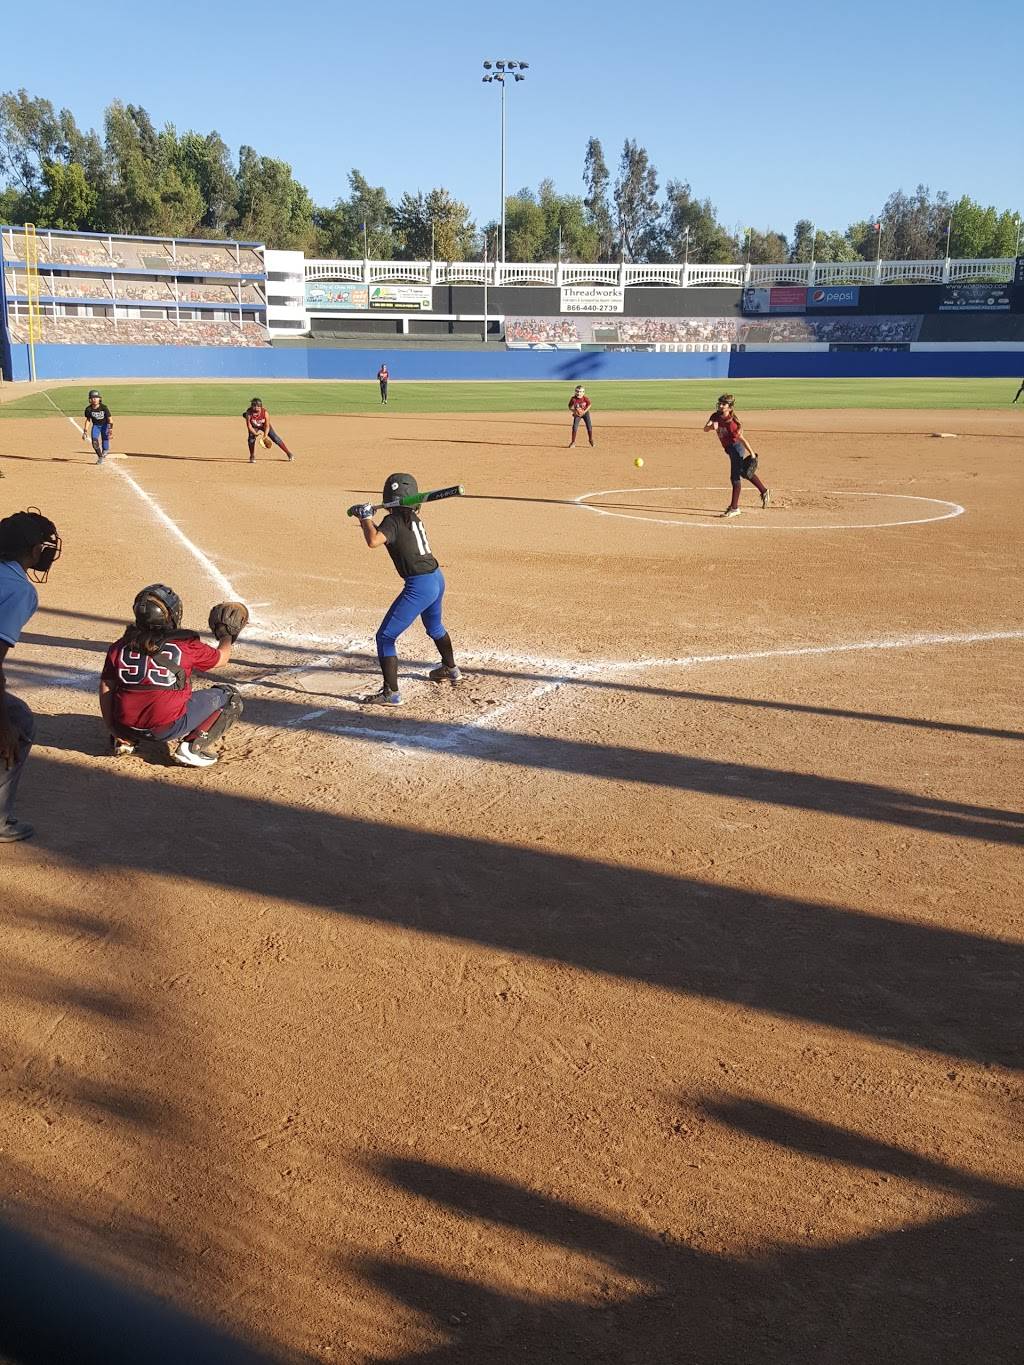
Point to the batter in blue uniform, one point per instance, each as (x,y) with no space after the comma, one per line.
(405,537)
(99,423)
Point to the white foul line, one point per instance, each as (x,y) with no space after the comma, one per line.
(797,651)
(204,560)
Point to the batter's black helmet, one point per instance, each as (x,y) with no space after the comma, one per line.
(157,607)
(398,486)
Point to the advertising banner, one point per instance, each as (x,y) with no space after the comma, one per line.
(975,298)
(1018,274)
(834,296)
(786,298)
(592,298)
(410,298)
(331,294)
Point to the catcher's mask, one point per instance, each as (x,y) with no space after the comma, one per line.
(398,486)
(157,607)
(22,532)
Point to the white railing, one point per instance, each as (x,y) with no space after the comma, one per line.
(694,274)
(591,274)
(991,269)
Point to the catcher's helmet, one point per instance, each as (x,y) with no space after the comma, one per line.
(157,607)
(398,486)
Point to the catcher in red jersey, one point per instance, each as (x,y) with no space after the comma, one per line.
(742,460)
(579,406)
(146,683)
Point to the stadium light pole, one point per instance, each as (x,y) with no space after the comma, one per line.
(497,73)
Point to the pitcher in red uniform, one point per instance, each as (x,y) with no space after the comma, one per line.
(724,422)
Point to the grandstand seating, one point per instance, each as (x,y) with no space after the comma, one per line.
(138,332)
(110,278)
(602,329)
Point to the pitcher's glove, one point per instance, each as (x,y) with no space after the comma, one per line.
(228,620)
(748,466)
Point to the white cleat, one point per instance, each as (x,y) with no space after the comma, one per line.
(192,758)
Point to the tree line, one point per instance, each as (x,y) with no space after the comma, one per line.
(137,179)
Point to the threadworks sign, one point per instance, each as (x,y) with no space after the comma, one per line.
(592,298)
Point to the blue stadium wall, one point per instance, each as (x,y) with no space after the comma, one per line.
(219,362)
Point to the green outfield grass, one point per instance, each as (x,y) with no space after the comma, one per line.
(654,395)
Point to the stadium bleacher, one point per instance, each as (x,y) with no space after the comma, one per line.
(191,293)
(79,331)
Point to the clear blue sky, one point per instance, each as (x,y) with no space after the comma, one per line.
(774,113)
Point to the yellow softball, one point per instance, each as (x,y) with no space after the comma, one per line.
(638,462)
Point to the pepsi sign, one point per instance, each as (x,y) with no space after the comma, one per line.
(834,296)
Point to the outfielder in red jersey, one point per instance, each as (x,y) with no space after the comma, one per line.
(579,406)
(146,683)
(258,428)
(724,422)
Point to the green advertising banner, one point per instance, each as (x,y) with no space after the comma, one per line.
(409,298)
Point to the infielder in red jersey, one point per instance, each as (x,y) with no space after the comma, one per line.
(724,422)
(146,683)
(258,428)
(579,406)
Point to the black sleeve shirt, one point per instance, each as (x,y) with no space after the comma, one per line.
(407,545)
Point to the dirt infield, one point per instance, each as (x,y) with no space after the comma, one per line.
(655,997)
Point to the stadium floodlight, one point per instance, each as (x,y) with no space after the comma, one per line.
(500,71)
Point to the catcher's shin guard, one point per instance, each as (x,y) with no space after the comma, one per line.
(232,710)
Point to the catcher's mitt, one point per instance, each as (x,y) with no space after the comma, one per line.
(266,442)
(228,620)
(748,467)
